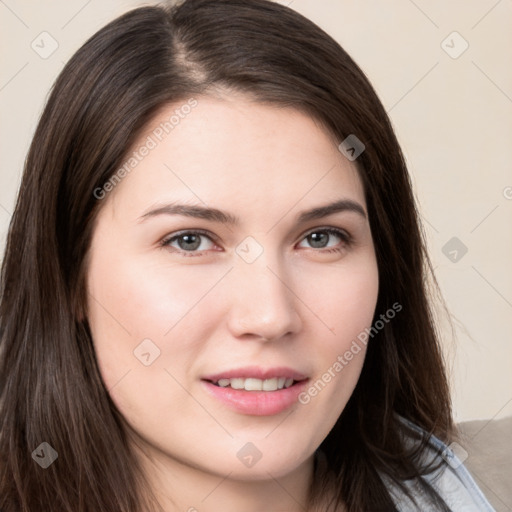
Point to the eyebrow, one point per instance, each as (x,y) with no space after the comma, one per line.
(222,217)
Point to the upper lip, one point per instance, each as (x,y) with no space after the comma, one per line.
(256,372)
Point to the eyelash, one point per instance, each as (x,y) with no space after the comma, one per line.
(343,235)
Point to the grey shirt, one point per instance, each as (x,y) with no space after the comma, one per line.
(451,480)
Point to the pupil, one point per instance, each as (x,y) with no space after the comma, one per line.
(318,239)
(189,242)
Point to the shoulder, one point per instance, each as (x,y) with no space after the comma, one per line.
(449,478)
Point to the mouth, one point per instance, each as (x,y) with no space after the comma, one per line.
(255,391)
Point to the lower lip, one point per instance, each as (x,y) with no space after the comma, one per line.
(257,403)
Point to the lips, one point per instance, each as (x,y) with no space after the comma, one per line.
(256,391)
(257,373)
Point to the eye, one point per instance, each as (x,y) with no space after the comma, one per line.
(189,242)
(320,238)
(194,243)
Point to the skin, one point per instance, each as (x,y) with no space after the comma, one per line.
(295,305)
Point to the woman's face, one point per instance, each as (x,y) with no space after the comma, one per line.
(215,266)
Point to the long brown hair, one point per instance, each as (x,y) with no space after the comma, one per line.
(50,386)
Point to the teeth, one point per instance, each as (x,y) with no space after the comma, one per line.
(237,383)
(251,384)
(270,385)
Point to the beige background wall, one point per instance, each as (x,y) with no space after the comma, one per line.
(452,110)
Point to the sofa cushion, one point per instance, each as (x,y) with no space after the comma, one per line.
(488,444)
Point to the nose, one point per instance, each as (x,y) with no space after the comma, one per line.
(262,304)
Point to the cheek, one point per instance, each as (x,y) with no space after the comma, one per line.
(131,300)
(148,327)
(145,300)
(145,313)
(344,303)
(168,311)
(343,298)
(356,302)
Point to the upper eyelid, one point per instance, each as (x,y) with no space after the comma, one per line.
(325,228)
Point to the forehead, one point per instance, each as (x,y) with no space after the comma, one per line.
(237,152)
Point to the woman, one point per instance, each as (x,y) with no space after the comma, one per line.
(213,293)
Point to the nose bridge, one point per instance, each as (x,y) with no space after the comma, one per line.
(263,303)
